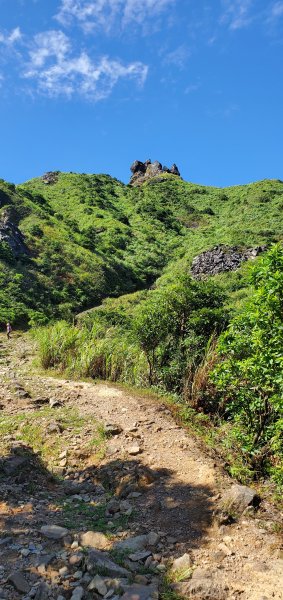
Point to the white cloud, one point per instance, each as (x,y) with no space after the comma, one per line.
(237,13)
(110,14)
(177,58)
(57,72)
(9,39)
(277,10)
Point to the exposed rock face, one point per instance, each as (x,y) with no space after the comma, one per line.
(222,258)
(50,177)
(144,171)
(10,233)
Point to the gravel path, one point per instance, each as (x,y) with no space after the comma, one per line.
(168,483)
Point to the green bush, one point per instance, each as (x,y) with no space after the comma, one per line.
(249,376)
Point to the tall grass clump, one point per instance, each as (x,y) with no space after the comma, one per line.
(154,341)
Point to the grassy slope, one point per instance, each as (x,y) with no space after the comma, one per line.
(90,236)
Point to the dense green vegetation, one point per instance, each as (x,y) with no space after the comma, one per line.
(249,374)
(90,237)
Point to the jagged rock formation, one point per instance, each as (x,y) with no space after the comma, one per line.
(50,177)
(11,235)
(222,258)
(144,171)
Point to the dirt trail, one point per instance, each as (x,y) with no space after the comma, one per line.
(168,484)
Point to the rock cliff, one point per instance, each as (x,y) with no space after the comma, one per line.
(142,171)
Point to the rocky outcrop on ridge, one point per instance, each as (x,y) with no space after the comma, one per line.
(222,258)
(50,177)
(142,171)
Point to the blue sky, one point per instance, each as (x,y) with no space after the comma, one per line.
(91,85)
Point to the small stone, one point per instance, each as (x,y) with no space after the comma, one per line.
(78,593)
(225,549)
(139,592)
(19,582)
(25,552)
(53,403)
(182,563)
(98,585)
(76,559)
(78,575)
(113,429)
(133,450)
(153,538)
(63,571)
(139,556)
(94,539)
(54,532)
(63,454)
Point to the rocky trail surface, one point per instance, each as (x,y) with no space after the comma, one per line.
(103,495)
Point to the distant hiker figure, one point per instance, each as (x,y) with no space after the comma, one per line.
(9,330)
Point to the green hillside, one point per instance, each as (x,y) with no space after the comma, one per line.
(91,236)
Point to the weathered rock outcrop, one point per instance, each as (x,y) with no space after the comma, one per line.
(222,258)
(11,235)
(142,171)
(50,177)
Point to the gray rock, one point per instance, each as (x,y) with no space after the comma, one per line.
(134,544)
(238,498)
(100,560)
(142,172)
(133,450)
(19,582)
(94,539)
(42,592)
(222,258)
(98,584)
(153,538)
(78,593)
(54,402)
(50,177)
(54,532)
(182,563)
(200,589)
(139,556)
(11,234)
(113,429)
(139,592)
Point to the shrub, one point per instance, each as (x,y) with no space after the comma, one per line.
(250,373)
